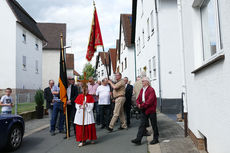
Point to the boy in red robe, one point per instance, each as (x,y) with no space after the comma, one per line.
(86,131)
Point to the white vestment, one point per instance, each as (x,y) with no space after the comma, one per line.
(89,117)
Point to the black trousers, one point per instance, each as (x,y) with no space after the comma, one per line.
(105,111)
(127,108)
(142,127)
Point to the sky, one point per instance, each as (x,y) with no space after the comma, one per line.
(77,14)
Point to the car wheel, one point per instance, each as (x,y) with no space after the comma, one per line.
(15,138)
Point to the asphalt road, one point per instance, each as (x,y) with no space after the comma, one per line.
(115,142)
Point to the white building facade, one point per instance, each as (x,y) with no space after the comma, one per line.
(157,48)
(206,28)
(21,52)
(101,72)
(126,61)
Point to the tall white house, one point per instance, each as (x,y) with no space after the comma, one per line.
(21,52)
(126,61)
(101,64)
(156,34)
(206,28)
(51,51)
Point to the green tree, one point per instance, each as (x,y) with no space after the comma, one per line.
(89,69)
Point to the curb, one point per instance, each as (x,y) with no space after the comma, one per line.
(152,148)
(36,130)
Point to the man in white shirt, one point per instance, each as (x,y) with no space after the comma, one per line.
(103,92)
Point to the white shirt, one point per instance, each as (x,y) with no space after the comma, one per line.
(6,100)
(143,94)
(69,92)
(104,95)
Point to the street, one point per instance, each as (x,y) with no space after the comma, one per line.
(117,141)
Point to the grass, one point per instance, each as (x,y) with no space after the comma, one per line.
(24,107)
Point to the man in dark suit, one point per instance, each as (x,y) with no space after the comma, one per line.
(72,93)
(128,102)
(49,97)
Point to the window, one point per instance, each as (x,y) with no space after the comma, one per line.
(24,36)
(121,48)
(142,8)
(125,63)
(143,38)
(36,44)
(102,73)
(152,22)
(24,62)
(212,43)
(148,29)
(154,67)
(150,69)
(36,66)
(138,45)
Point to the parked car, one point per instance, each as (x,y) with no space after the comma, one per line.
(12,129)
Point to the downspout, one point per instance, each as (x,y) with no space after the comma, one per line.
(184,83)
(135,61)
(158,52)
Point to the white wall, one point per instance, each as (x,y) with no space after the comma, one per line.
(28,78)
(50,67)
(69,73)
(207,90)
(128,53)
(8,46)
(170,53)
(101,68)
(148,50)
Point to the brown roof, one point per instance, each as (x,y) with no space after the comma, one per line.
(76,73)
(103,59)
(69,61)
(126,24)
(106,62)
(118,48)
(113,57)
(52,32)
(25,19)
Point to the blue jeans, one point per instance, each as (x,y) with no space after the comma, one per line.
(57,108)
(6,112)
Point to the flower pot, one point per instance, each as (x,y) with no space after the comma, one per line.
(39,112)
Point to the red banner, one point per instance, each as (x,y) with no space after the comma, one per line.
(95,38)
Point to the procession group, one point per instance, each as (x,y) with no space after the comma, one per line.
(102,103)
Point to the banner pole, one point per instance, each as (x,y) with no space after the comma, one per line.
(67,126)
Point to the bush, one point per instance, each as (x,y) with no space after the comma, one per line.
(39,98)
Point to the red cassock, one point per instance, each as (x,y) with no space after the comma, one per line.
(89,122)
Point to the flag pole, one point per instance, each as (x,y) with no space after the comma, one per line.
(83,121)
(66,116)
(103,48)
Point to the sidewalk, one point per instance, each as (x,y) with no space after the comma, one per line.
(171,138)
(36,125)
